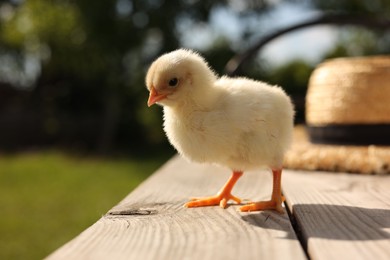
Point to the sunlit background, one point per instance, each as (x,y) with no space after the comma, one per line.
(76,135)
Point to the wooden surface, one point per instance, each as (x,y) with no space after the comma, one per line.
(335,217)
(151,223)
(342,216)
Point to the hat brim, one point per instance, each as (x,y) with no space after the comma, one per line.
(304,155)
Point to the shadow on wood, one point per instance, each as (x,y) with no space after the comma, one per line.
(270,220)
(329,221)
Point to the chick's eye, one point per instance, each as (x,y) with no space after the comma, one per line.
(173,82)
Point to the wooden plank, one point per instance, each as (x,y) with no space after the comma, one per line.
(341,216)
(151,222)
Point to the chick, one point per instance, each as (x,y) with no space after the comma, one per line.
(238,123)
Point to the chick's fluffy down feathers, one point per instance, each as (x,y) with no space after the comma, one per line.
(235,122)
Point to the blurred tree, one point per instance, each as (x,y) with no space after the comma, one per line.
(294,76)
(89,61)
(356,41)
(377,7)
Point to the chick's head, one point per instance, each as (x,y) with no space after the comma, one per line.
(175,76)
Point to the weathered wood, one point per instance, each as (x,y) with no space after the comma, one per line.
(341,216)
(151,222)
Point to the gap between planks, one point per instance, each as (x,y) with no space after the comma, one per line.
(340,216)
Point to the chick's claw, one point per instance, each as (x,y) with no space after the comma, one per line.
(220,199)
(263,205)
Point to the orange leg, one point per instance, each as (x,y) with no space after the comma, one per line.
(223,196)
(276,198)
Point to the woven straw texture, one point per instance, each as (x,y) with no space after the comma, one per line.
(304,155)
(350,91)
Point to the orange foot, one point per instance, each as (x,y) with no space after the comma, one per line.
(276,198)
(263,205)
(220,199)
(275,204)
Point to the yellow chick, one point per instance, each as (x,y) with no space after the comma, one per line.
(238,123)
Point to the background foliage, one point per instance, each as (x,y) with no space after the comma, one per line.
(72,71)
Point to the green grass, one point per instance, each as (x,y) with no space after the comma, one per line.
(47,198)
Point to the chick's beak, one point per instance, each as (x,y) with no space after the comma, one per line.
(154,96)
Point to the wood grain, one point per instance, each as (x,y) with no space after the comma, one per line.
(151,223)
(341,216)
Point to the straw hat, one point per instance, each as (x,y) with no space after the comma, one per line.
(348,118)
